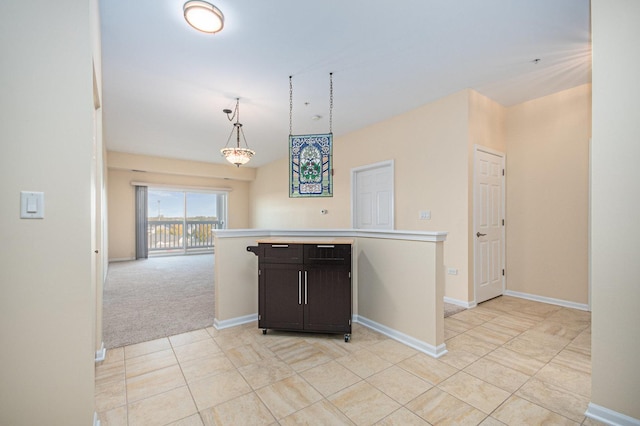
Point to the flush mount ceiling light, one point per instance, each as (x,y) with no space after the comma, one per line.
(203,16)
(236,155)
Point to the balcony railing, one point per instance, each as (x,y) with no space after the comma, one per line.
(179,235)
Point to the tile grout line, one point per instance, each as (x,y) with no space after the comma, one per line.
(185,378)
(252,391)
(333,357)
(126,395)
(324,398)
(513,394)
(537,371)
(483,357)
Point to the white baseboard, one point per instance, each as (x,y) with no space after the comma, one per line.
(122,259)
(610,417)
(101,353)
(434,351)
(234,321)
(96,420)
(462,303)
(550,300)
(424,347)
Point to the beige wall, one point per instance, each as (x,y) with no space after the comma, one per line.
(401,277)
(181,173)
(547,195)
(487,123)
(545,142)
(615,228)
(487,128)
(400,287)
(271,207)
(430,153)
(235,278)
(47,301)
(99,177)
(172,166)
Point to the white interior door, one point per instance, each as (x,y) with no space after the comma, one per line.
(488,224)
(372,196)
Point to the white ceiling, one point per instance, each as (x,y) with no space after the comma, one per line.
(165,84)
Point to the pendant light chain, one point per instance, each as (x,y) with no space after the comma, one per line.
(290,106)
(330,102)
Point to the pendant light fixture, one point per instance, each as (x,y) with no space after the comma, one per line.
(203,16)
(236,155)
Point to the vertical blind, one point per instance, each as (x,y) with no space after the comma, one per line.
(142,251)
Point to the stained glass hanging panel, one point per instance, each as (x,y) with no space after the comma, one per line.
(310,165)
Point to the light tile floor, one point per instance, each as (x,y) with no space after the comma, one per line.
(510,361)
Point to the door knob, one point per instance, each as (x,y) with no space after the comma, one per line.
(478,234)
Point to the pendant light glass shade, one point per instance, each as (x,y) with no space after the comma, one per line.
(203,16)
(237,156)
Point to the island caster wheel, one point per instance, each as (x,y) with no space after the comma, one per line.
(347,337)
(264,331)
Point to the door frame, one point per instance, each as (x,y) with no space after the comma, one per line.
(476,149)
(354,184)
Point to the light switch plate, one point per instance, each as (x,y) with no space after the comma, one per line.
(31,205)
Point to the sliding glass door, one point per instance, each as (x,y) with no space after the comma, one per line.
(182,221)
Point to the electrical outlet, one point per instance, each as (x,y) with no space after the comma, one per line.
(452,271)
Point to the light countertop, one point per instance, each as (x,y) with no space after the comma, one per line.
(302,240)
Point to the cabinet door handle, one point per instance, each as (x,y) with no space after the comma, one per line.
(299,287)
(279,245)
(326,246)
(305,287)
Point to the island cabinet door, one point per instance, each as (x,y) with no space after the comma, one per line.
(327,298)
(280,297)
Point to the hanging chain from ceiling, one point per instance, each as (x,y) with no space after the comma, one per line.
(290,105)
(330,104)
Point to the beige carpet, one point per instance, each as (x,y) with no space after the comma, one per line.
(157,297)
(162,296)
(451,309)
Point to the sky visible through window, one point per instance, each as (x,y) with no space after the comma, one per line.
(170,204)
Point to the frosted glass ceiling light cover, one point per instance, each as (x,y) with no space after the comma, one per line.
(237,156)
(203,16)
